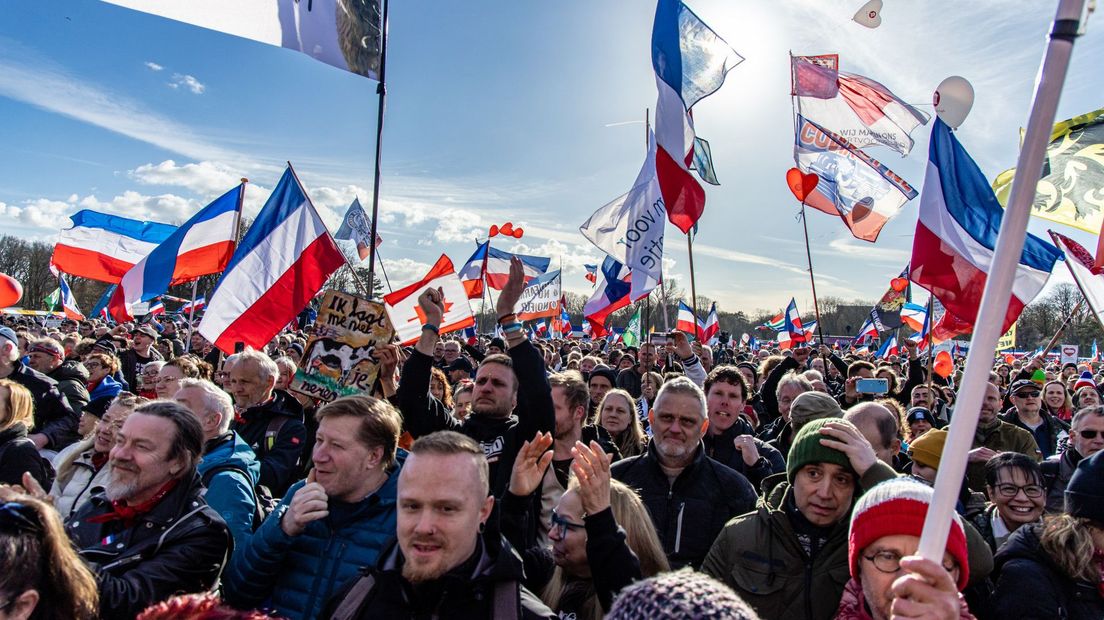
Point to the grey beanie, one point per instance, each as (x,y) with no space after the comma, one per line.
(679,595)
(809,406)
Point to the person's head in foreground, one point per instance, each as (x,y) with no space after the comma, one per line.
(679,595)
(885,531)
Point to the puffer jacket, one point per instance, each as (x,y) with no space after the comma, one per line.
(181,546)
(759,556)
(689,513)
(281,456)
(72,379)
(1030,586)
(77,479)
(230,470)
(295,575)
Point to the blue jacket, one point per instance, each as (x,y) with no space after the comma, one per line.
(296,575)
(229,492)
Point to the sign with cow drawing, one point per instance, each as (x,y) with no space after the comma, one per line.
(340,358)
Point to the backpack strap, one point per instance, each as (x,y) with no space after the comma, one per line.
(507,600)
(273,430)
(352,602)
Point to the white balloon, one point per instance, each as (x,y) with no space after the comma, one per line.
(953,99)
(870,15)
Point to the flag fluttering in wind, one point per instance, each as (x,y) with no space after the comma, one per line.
(632,334)
(687,322)
(68,302)
(889,347)
(712,324)
(471,274)
(793,325)
(851,105)
(690,62)
(346,35)
(104,247)
(497,271)
(1080,264)
(280,265)
(776,323)
(357,226)
(406,315)
(610,295)
(956,235)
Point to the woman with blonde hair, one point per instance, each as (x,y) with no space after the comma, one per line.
(617,415)
(41,576)
(602,536)
(18,454)
(1055,569)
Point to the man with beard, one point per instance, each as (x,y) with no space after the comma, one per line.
(150,534)
(992,436)
(511,400)
(688,495)
(629,379)
(449,560)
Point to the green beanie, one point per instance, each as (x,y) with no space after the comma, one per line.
(806,448)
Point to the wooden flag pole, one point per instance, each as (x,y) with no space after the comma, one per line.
(693,286)
(381,90)
(812,280)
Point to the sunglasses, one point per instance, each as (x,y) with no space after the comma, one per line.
(1031,394)
(1087,434)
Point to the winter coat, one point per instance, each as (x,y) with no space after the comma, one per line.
(1053,429)
(108,388)
(853,604)
(230,470)
(279,456)
(77,479)
(18,455)
(1057,472)
(467,592)
(689,513)
(1031,587)
(53,416)
(613,565)
(721,449)
(181,546)
(759,556)
(500,438)
(1001,437)
(72,379)
(296,575)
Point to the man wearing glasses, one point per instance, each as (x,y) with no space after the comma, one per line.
(1086,439)
(1027,413)
(994,435)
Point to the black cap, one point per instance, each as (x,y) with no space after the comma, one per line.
(916,414)
(1085,491)
(1022,383)
(498,342)
(601,370)
(148,331)
(99,406)
(107,345)
(460,363)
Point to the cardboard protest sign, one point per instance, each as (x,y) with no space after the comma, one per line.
(540,298)
(340,358)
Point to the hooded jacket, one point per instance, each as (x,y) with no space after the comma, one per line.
(689,513)
(467,592)
(230,470)
(181,546)
(72,379)
(280,460)
(1030,586)
(296,575)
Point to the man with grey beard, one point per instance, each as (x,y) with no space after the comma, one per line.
(150,534)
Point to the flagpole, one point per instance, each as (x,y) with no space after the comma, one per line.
(648,300)
(998,284)
(381,89)
(1061,328)
(812,280)
(931,349)
(693,286)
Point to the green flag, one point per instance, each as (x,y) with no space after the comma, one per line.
(52,299)
(631,337)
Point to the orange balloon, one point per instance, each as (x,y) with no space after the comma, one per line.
(1008,359)
(11,291)
(899,284)
(518,232)
(943,365)
(507,229)
(494,229)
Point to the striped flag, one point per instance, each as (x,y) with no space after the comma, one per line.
(68,302)
(104,247)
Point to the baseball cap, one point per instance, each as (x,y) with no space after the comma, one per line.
(1019,384)
(916,414)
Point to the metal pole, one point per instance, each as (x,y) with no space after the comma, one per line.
(381,89)
(693,286)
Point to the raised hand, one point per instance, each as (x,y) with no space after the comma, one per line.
(432,303)
(529,466)
(507,301)
(310,503)
(591,467)
(848,440)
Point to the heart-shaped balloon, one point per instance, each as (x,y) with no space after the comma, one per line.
(801,184)
(518,232)
(507,229)
(898,284)
(870,15)
(494,230)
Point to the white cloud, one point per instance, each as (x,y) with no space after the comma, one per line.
(152,66)
(867,251)
(403,271)
(206,178)
(189,82)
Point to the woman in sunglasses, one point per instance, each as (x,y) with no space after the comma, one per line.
(1014,484)
(602,536)
(41,576)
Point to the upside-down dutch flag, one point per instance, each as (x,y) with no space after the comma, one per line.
(591,273)
(471,274)
(712,324)
(785,341)
(282,262)
(498,267)
(914,315)
(104,247)
(955,238)
(68,302)
(196,306)
(611,294)
(565,318)
(793,325)
(889,347)
(201,246)
(690,63)
(868,330)
(155,307)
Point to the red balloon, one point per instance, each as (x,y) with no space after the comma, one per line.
(507,229)
(494,229)
(899,284)
(518,232)
(801,184)
(943,365)
(11,291)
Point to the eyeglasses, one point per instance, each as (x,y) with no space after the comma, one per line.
(1031,394)
(564,524)
(1009,490)
(890,562)
(1087,434)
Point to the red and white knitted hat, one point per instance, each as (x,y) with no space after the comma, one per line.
(898,507)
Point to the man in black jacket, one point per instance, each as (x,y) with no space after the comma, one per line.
(512,399)
(47,356)
(445,564)
(150,534)
(688,495)
(730,438)
(55,422)
(269,420)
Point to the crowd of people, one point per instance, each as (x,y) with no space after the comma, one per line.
(145,474)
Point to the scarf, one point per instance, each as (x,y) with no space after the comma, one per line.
(99,459)
(128,514)
(1098,559)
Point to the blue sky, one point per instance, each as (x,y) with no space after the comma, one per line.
(530,112)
